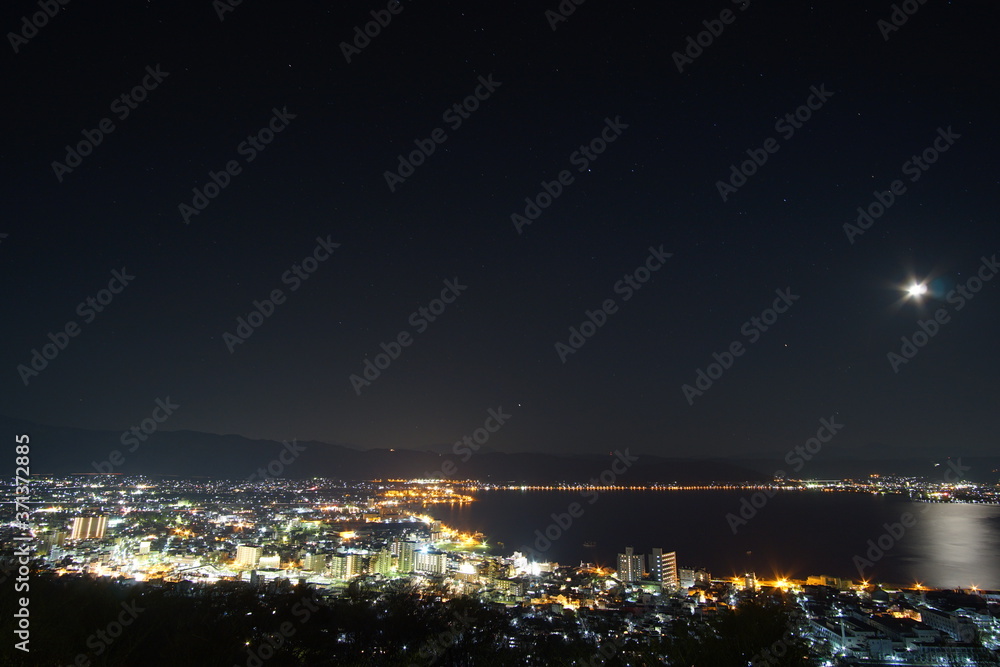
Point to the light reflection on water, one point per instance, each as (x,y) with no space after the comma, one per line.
(954,545)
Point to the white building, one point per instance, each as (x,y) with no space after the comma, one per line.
(433,563)
(269,562)
(247,556)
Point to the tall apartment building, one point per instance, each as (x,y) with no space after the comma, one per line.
(630,565)
(433,563)
(248,556)
(338,567)
(314,562)
(56,538)
(345,566)
(89,527)
(663,568)
(407,557)
(382,562)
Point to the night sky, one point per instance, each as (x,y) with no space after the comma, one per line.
(608,67)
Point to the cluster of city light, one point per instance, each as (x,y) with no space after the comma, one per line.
(428,495)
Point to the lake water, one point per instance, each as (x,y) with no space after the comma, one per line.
(795,534)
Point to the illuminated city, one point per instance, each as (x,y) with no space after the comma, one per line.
(344,539)
(570,333)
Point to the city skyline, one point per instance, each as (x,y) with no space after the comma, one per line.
(136,550)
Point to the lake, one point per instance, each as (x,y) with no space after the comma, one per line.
(795,534)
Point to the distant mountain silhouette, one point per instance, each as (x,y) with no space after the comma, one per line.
(56,450)
(984,469)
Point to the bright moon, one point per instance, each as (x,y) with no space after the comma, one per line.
(917,290)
